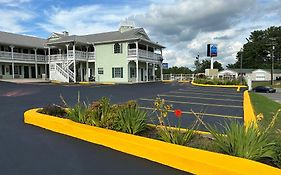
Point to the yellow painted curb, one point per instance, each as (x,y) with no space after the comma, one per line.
(56,82)
(84,82)
(249,114)
(180,157)
(105,83)
(167,81)
(223,86)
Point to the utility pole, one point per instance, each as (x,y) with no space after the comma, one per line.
(241,59)
(272,64)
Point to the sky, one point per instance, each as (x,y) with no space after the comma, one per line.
(185,27)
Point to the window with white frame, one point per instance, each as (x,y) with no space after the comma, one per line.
(100,70)
(118,48)
(117,72)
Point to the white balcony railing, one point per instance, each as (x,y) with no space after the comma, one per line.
(22,57)
(79,55)
(144,54)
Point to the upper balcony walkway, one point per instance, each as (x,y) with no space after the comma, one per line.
(144,54)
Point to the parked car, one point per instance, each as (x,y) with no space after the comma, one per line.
(265,89)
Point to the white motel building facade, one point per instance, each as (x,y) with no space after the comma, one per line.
(124,56)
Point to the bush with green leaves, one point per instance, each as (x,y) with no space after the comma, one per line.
(131,120)
(250,143)
(175,136)
(53,110)
(103,114)
(217,81)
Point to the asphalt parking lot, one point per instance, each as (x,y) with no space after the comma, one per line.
(215,105)
(29,150)
(26,149)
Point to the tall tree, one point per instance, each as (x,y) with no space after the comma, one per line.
(205,64)
(257,51)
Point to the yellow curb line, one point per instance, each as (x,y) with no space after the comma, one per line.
(180,157)
(223,86)
(56,82)
(167,81)
(181,129)
(249,114)
(200,113)
(184,81)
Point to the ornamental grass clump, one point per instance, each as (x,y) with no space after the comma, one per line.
(175,135)
(131,120)
(250,142)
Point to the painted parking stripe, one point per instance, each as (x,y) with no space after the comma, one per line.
(199,113)
(232,96)
(203,98)
(211,92)
(183,102)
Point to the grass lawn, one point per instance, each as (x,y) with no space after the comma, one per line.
(277,84)
(267,107)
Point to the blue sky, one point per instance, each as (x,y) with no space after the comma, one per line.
(183,26)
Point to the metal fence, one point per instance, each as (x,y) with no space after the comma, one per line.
(178,77)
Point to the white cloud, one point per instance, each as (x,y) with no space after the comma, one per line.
(13,2)
(86,19)
(13,19)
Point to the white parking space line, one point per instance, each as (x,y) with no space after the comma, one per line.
(206,94)
(199,113)
(210,92)
(184,102)
(203,98)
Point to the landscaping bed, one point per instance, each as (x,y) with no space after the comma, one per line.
(251,143)
(216,81)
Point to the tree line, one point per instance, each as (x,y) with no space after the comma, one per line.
(258,52)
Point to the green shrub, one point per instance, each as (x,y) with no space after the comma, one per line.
(250,142)
(217,81)
(175,136)
(103,114)
(79,113)
(131,120)
(53,110)
(277,158)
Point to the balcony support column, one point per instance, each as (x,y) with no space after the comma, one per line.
(153,72)
(137,70)
(45,55)
(74,66)
(36,65)
(13,64)
(87,64)
(137,49)
(81,71)
(161,71)
(67,62)
(146,71)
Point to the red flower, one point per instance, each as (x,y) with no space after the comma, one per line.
(178,112)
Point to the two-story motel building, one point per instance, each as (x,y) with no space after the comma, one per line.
(123,56)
